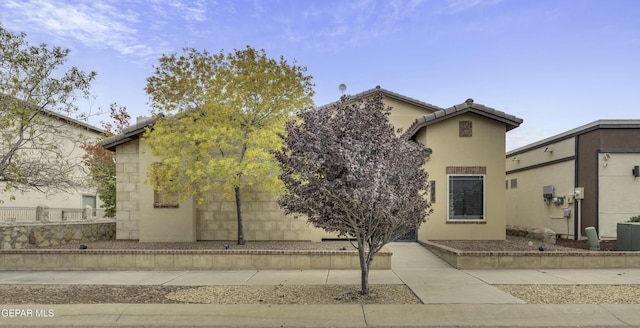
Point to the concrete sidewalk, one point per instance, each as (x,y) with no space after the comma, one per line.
(451,298)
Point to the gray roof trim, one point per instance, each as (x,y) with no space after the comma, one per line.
(129,133)
(73,121)
(391,94)
(509,120)
(595,125)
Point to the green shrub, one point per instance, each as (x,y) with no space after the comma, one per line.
(634,218)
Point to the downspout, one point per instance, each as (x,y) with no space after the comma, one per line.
(577,205)
(576,233)
(597,199)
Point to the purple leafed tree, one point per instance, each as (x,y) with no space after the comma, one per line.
(347,171)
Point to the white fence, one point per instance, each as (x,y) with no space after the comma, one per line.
(47,214)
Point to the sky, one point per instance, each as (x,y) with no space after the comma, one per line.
(557,64)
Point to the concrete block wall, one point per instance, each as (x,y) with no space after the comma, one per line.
(534,260)
(263,220)
(128,190)
(62,259)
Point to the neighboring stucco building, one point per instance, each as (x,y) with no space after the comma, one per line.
(75,132)
(598,159)
(468,142)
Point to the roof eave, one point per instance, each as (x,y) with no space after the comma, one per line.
(599,124)
(511,122)
(390,94)
(130,133)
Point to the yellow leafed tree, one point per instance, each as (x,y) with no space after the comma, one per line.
(219,119)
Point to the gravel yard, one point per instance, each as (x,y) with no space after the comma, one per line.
(297,294)
(512,243)
(289,294)
(217,245)
(522,244)
(575,294)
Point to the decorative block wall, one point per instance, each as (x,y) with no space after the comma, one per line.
(128,190)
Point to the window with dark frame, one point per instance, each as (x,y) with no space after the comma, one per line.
(432,191)
(466,197)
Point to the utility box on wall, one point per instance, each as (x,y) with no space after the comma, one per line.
(628,236)
(547,194)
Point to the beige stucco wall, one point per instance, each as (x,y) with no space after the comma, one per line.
(162,224)
(403,115)
(525,204)
(74,154)
(538,156)
(484,148)
(618,192)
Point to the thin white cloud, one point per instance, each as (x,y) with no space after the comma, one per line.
(345,24)
(457,6)
(189,10)
(98,24)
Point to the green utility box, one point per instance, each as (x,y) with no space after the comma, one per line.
(628,236)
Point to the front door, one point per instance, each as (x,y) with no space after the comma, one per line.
(410,236)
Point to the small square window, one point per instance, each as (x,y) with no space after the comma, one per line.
(514,183)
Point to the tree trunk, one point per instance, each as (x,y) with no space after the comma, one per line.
(364,269)
(239,214)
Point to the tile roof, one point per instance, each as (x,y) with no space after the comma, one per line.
(468,106)
(390,94)
(437,114)
(129,133)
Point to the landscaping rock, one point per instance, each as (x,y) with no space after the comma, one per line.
(543,234)
(40,234)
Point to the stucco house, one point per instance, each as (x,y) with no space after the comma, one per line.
(75,131)
(466,170)
(584,177)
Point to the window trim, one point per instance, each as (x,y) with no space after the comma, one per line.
(171,202)
(483,219)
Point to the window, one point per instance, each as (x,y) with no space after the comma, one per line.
(466,197)
(514,183)
(162,199)
(432,191)
(89,200)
